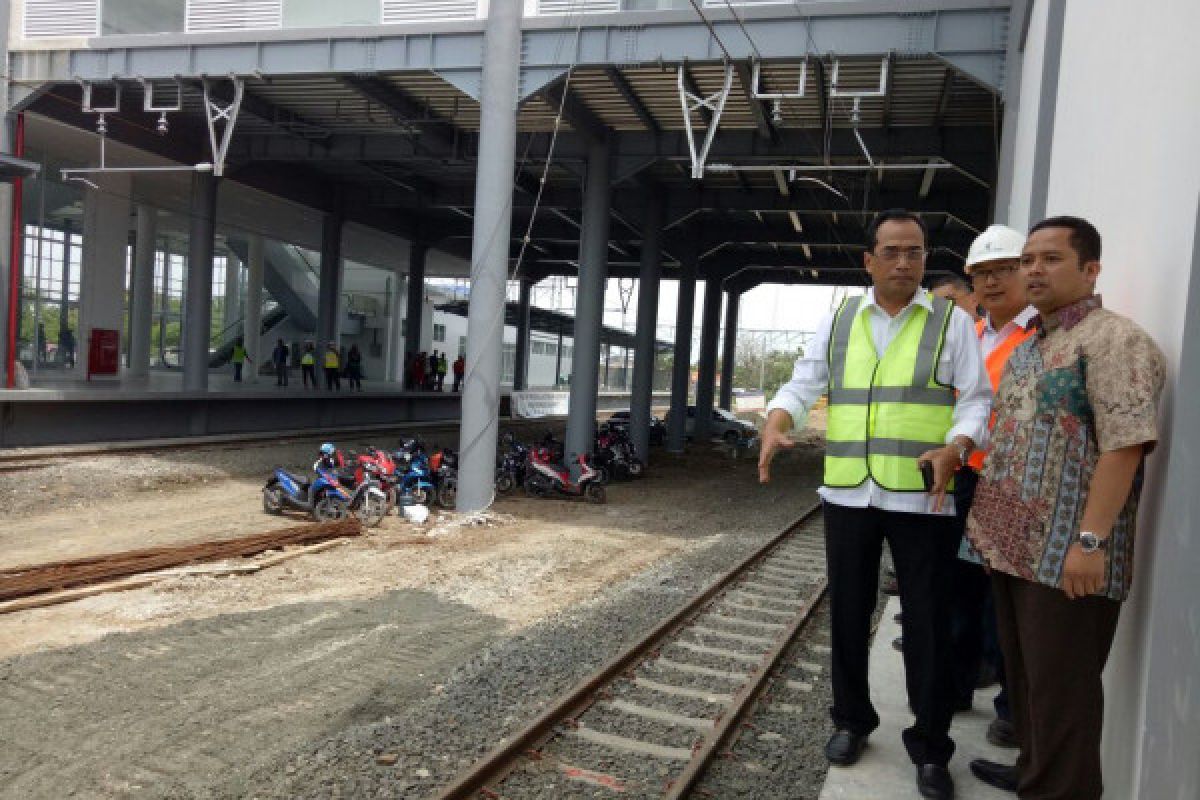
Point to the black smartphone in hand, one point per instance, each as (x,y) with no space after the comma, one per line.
(927,474)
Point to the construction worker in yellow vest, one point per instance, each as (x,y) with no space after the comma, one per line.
(308,365)
(906,386)
(333,370)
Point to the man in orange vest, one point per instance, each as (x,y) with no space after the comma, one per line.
(993,264)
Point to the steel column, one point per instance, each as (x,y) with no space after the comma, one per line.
(198,301)
(252,321)
(733,299)
(414,300)
(141,301)
(489,254)
(330,292)
(589,303)
(558,359)
(521,359)
(641,395)
(710,330)
(681,368)
(233,291)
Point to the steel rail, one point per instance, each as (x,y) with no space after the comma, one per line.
(497,763)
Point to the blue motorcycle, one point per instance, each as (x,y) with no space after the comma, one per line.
(414,476)
(325,498)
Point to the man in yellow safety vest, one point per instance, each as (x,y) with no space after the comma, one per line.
(906,387)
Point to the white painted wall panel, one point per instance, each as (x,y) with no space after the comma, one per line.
(1124,155)
(45,19)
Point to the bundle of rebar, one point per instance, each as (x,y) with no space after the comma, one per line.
(31,580)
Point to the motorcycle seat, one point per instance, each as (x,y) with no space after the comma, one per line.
(300,480)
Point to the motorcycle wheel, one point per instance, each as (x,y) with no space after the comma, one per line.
(372,511)
(273,500)
(595,493)
(330,509)
(505,482)
(636,468)
(447,493)
(535,486)
(602,476)
(420,497)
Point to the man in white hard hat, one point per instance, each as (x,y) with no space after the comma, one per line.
(993,265)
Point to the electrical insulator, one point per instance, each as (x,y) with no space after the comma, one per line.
(161,127)
(101,125)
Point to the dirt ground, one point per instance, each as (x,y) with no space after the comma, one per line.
(106,695)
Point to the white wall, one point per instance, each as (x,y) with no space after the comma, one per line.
(1125,155)
(102,277)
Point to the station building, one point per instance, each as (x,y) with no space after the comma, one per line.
(182,173)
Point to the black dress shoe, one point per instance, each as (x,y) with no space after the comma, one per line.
(1000,776)
(1001,733)
(844,748)
(934,782)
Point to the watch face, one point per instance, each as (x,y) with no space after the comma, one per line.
(1089,541)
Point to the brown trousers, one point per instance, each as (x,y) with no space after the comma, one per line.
(1054,653)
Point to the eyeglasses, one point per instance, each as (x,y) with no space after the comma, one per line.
(892,255)
(999,272)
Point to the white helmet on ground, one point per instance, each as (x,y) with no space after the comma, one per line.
(997,242)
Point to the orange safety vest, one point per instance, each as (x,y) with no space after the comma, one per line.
(995,362)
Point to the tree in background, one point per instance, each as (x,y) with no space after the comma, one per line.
(758,367)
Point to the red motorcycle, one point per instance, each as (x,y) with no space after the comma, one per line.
(383,468)
(544,477)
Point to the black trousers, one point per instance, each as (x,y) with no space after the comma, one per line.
(924,548)
(973,638)
(1055,650)
(333,379)
(309,372)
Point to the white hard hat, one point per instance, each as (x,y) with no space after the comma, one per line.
(997,242)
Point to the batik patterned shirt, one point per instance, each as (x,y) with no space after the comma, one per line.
(1088,383)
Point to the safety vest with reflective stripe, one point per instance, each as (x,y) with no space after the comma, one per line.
(995,362)
(307,360)
(885,411)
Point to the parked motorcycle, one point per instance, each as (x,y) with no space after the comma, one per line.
(385,472)
(443,465)
(544,477)
(614,453)
(415,478)
(326,498)
(512,462)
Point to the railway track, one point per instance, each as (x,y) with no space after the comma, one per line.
(652,721)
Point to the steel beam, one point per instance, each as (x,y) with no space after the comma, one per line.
(330,291)
(399,103)
(575,111)
(414,302)
(762,122)
(141,294)
(733,299)
(521,354)
(589,306)
(681,368)
(630,96)
(641,396)
(706,378)
(489,255)
(198,300)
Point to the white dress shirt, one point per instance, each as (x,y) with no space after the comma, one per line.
(960,365)
(991,338)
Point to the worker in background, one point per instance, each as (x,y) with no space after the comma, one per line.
(332,364)
(460,369)
(308,365)
(442,368)
(279,358)
(907,388)
(239,358)
(993,265)
(957,290)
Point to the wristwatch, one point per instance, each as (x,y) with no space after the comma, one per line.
(964,454)
(1090,542)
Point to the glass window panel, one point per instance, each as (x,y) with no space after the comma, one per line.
(142,16)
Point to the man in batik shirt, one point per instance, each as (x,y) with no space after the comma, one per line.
(1055,510)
